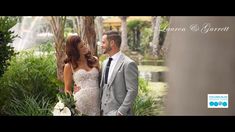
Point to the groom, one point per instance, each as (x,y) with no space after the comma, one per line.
(119,80)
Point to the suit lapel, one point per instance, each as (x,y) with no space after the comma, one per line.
(116,68)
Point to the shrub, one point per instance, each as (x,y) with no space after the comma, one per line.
(146,104)
(27,76)
(29,106)
(6,37)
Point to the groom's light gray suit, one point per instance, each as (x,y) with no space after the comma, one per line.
(122,88)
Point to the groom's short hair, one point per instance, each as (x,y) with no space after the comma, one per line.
(115,36)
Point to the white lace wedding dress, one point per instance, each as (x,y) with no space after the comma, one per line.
(87,98)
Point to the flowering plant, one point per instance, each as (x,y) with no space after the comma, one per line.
(65,106)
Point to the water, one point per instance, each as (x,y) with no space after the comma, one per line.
(153,76)
(32,31)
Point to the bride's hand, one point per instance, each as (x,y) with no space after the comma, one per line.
(76,88)
(68,92)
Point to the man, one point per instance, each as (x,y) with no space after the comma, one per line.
(119,80)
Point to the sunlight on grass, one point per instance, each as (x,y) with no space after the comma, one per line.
(158,88)
(159,91)
(149,68)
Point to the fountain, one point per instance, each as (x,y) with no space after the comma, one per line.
(32,31)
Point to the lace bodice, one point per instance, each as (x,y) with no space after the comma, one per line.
(86,79)
(87,98)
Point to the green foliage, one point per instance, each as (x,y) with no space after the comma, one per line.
(145,39)
(68,101)
(146,104)
(67,30)
(135,29)
(163,30)
(28,75)
(143,85)
(29,106)
(6,37)
(69,23)
(46,48)
(102,58)
(164,24)
(137,24)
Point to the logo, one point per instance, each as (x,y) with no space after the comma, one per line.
(217,100)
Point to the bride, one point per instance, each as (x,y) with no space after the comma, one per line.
(82,68)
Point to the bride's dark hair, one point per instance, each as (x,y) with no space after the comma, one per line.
(73,55)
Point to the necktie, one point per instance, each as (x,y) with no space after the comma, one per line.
(107,70)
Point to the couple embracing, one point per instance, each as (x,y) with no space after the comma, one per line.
(111,93)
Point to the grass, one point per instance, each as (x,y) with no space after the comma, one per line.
(149,68)
(158,90)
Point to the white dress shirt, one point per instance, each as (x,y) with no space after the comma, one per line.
(113,63)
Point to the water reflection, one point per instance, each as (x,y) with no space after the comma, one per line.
(153,76)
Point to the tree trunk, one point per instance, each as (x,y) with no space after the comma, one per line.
(87,26)
(164,44)
(75,24)
(99,27)
(99,31)
(138,38)
(124,46)
(153,22)
(57,25)
(156,33)
(134,40)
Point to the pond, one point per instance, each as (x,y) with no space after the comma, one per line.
(153,76)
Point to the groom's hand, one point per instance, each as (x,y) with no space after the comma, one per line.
(119,113)
(76,88)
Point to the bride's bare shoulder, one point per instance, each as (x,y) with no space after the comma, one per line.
(67,67)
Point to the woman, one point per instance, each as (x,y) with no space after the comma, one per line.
(82,68)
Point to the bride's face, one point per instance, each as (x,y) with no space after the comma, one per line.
(82,47)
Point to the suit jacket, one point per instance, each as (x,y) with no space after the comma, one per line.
(122,88)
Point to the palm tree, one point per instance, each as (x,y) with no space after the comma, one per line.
(166,44)
(57,24)
(124,46)
(99,31)
(155,42)
(99,27)
(87,32)
(153,22)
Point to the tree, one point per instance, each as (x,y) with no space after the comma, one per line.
(57,24)
(153,22)
(124,46)
(99,27)
(164,45)
(87,32)
(135,30)
(156,33)
(99,31)
(6,37)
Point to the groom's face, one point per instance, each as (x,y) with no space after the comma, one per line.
(105,45)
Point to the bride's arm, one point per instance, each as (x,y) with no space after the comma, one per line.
(67,78)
